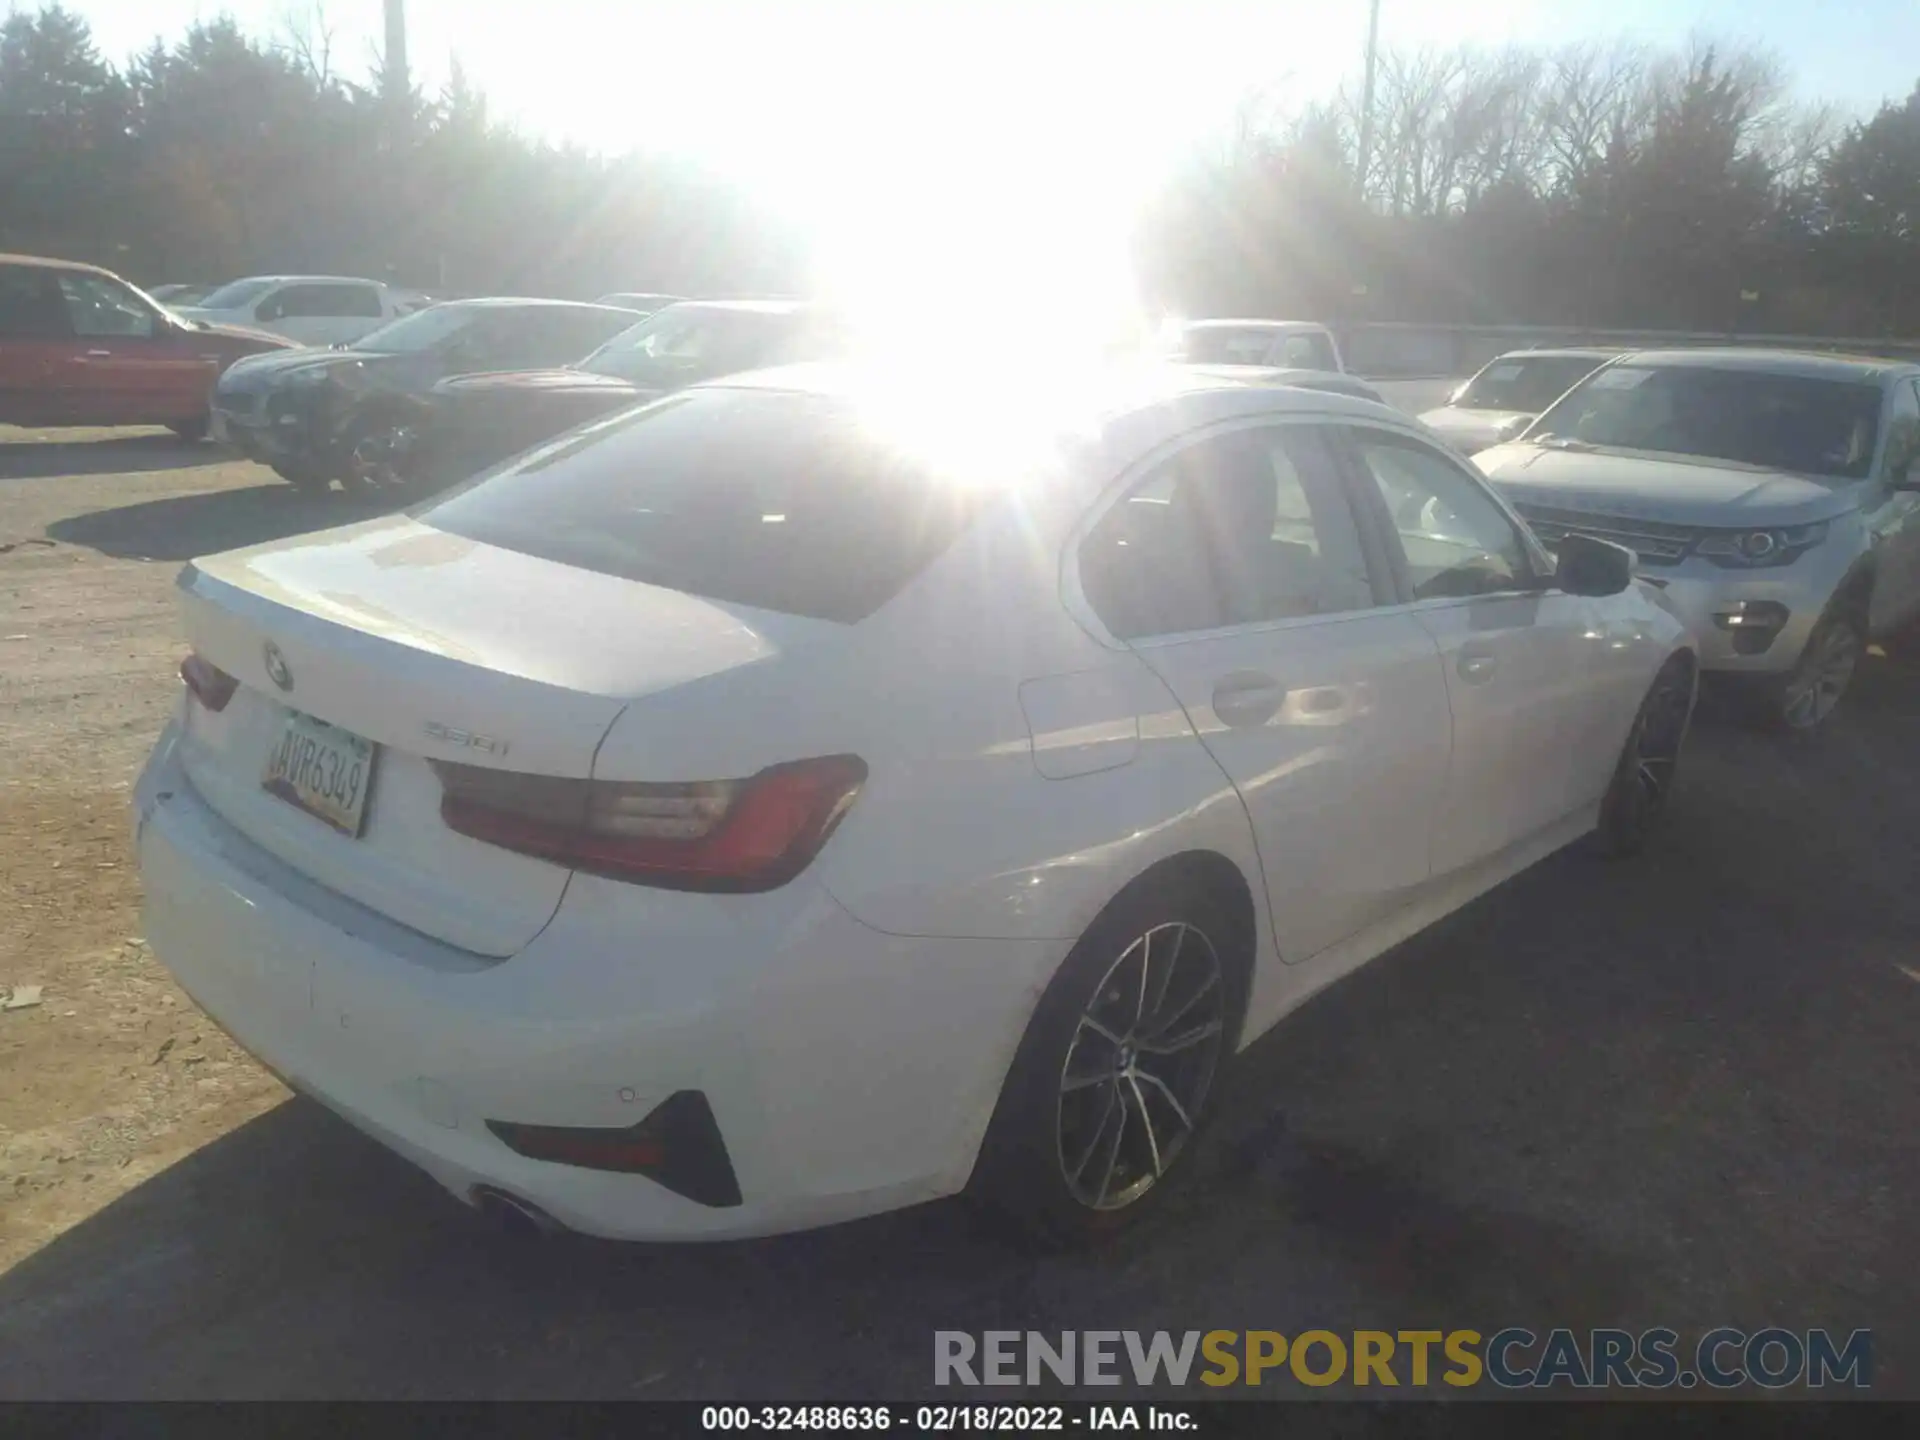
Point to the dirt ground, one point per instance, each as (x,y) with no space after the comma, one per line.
(115,1074)
(1682,1091)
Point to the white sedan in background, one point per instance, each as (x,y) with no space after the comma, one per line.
(309,309)
(1503,397)
(799,797)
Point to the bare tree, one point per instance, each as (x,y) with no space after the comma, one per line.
(306,38)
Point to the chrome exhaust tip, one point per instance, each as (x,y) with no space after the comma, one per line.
(514,1215)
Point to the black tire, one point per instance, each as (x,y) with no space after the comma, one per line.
(1644,776)
(1801,702)
(191,431)
(367,467)
(1128,1103)
(307,482)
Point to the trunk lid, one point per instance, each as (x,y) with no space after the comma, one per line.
(429,646)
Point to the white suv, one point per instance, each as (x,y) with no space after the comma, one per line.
(1771,494)
(1282,344)
(309,309)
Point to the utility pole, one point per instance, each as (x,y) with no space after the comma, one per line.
(393,67)
(1366,96)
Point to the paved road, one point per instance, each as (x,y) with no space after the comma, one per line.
(1680,1091)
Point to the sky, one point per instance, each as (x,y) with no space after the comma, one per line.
(836,110)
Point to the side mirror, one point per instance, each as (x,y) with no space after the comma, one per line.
(1593,567)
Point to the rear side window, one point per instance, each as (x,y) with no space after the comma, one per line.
(31,305)
(1237,529)
(763,498)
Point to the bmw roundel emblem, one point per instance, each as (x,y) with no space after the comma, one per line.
(277,669)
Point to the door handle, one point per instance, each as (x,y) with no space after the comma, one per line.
(1476,664)
(1246,699)
(100,354)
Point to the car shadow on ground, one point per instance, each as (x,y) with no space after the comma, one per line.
(1673,1092)
(180,527)
(40,458)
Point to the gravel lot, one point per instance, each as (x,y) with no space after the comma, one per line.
(1681,1091)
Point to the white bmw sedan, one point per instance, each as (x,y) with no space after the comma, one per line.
(774,804)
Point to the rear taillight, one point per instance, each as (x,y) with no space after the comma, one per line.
(731,835)
(210,685)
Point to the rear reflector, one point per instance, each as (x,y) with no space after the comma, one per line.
(209,684)
(678,1145)
(723,835)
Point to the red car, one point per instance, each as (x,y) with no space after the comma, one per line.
(80,346)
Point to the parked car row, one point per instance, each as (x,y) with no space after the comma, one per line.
(81,346)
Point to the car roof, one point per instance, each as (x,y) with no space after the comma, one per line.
(44,262)
(1266,374)
(1274,325)
(308,280)
(752,307)
(1808,364)
(1126,409)
(1560,352)
(526,302)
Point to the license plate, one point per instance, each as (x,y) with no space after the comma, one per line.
(322,769)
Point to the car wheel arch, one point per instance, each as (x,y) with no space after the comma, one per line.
(1224,886)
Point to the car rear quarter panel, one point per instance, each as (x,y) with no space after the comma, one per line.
(960,830)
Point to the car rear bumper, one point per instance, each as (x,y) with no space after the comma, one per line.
(848,1071)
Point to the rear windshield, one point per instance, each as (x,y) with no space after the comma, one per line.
(1752,417)
(1226,345)
(1525,383)
(763,498)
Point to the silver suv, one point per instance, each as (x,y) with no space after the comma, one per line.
(1772,495)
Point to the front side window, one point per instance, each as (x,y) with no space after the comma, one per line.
(98,308)
(1457,540)
(1798,423)
(1237,529)
(31,305)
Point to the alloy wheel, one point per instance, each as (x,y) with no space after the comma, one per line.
(1140,1066)
(1823,676)
(1662,729)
